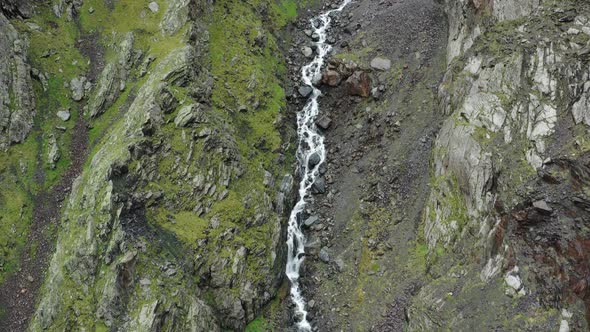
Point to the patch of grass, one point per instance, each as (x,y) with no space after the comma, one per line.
(17,169)
(289,9)
(260,324)
(186,225)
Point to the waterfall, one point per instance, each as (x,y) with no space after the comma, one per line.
(311,154)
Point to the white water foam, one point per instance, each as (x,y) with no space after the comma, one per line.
(311,143)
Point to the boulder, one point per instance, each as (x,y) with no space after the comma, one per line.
(53,154)
(307,51)
(324,122)
(64,115)
(382,64)
(305,91)
(310,221)
(331,78)
(187,115)
(319,186)
(77,86)
(542,207)
(324,255)
(154,7)
(314,159)
(359,84)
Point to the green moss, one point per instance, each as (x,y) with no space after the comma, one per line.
(127,16)
(448,194)
(187,226)
(289,9)
(260,324)
(17,170)
(60,37)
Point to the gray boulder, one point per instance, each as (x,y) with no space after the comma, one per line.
(379,63)
(77,86)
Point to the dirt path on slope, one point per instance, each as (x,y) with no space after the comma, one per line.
(18,293)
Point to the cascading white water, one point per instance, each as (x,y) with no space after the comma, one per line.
(311,145)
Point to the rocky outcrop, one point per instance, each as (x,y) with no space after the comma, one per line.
(112,80)
(516,94)
(94,247)
(468,19)
(17,102)
(16,8)
(69,8)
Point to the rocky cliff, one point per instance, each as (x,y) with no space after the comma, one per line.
(173,221)
(510,168)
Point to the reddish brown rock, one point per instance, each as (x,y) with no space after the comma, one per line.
(359,84)
(331,78)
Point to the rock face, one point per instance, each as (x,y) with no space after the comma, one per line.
(17,102)
(15,8)
(176,223)
(112,80)
(514,113)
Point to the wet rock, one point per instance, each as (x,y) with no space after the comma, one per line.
(324,122)
(359,84)
(314,159)
(305,91)
(307,51)
(382,64)
(319,186)
(64,115)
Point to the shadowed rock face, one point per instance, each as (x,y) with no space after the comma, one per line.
(16,8)
(17,103)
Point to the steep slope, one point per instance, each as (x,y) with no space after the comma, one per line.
(511,168)
(498,226)
(175,220)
